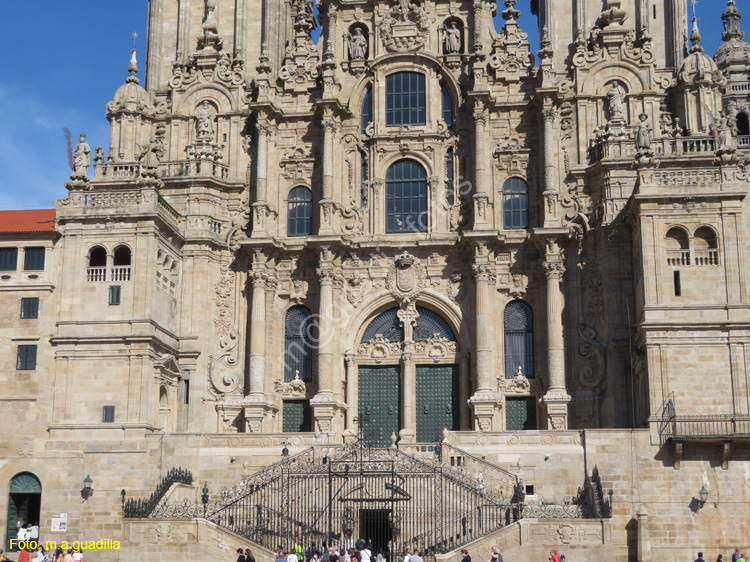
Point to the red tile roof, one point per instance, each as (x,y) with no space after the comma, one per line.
(37,220)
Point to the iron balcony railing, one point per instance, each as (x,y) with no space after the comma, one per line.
(688,428)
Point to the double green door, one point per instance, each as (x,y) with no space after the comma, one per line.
(379,401)
(437,403)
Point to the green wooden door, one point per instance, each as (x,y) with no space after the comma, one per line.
(520,414)
(379,396)
(437,401)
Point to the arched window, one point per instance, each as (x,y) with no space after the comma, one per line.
(705,247)
(519,339)
(406,197)
(300,212)
(429,324)
(98,257)
(405,100)
(388,325)
(515,204)
(678,247)
(366,109)
(122,256)
(298,344)
(121,264)
(447,106)
(743,125)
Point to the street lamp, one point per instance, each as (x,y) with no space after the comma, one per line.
(204,497)
(703,494)
(88,488)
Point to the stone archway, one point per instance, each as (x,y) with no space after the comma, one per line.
(24,504)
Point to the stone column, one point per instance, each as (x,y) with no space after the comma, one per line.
(481,199)
(255,399)
(550,194)
(325,404)
(408,433)
(556,398)
(352,387)
(484,400)
(326,202)
(260,207)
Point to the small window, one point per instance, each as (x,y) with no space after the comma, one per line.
(515,204)
(367,110)
(297,416)
(529,489)
(26,359)
(186,391)
(34,259)
(114,295)
(406,197)
(300,212)
(447,106)
(677,284)
(405,99)
(108,414)
(8,259)
(30,307)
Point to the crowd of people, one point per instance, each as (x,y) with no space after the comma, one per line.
(40,554)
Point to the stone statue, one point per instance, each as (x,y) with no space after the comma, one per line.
(205,123)
(642,133)
(81,156)
(615,100)
(726,134)
(452,39)
(357,45)
(151,155)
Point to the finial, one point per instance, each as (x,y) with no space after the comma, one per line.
(732,18)
(695,37)
(133,68)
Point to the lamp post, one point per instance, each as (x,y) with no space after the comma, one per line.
(88,488)
(204,497)
(122,495)
(703,494)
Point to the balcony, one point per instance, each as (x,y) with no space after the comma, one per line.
(121,273)
(96,274)
(677,258)
(723,429)
(706,257)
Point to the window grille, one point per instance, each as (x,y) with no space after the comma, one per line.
(405,100)
(406,197)
(519,339)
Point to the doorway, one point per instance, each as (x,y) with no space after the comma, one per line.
(24,503)
(379,398)
(437,401)
(375,524)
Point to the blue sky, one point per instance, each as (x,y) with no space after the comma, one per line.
(62,72)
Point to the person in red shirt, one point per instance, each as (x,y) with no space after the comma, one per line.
(24,556)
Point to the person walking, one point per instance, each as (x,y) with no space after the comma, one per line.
(700,557)
(249,556)
(415,557)
(407,555)
(240,555)
(554,556)
(465,555)
(496,556)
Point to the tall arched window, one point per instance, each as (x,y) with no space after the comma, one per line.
(406,197)
(678,247)
(366,109)
(405,101)
(519,339)
(447,106)
(515,204)
(298,344)
(300,212)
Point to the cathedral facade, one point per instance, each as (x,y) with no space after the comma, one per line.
(413,234)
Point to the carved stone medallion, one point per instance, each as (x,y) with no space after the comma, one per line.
(406,278)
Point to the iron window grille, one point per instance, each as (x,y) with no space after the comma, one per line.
(298,344)
(405,99)
(519,339)
(8,259)
(515,204)
(26,359)
(406,197)
(300,212)
(29,307)
(33,259)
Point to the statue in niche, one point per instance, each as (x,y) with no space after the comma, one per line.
(205,125)
(642,133)
(151,156)
(357,45)
(615,100)
(452,39)
(81,156)
(726,134)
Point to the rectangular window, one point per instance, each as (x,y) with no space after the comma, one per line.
(108,414)
(34,259)
(8,259)
(405,99)
(26,359)
(186,392)
(114,295)
(677,284)
(297,416)
(30,307)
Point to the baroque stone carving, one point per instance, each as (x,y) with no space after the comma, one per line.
(407,278)
(355,289)
(405,27)
(379,348)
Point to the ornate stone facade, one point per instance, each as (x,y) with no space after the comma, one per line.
(261,172)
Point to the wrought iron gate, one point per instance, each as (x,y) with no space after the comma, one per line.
(394,499)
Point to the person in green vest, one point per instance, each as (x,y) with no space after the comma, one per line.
(298,550)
